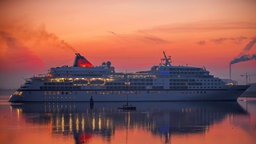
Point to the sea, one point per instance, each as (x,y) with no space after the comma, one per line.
(228,122)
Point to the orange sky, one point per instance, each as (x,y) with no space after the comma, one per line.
(37,35)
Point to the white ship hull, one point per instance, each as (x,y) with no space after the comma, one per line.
(98,96)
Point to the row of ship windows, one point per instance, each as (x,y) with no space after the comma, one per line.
(78,87)
(192,80)
(211,87)
(79,72)
(194,92)
(131,80)
(185,87)
(209,80)
(68,87)
(60,83)
(88,84)
(172,86)
(133,87)
(148,83)
(125,92)
(124,87)
(199,73)
(182,80)
(112,92)
(142,83)
(57,93)
(211,84)
(139,92)
(68,84)
(185,83)
(184,69)
(60,98)
(71,75)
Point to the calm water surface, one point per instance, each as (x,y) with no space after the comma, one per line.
(152,123)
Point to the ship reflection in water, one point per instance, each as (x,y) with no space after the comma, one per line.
(164,121)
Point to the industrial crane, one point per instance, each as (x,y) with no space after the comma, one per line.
(247,77)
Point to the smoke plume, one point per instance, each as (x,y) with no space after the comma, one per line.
(249,46)
(243,56)
(18,56)
(25,46)
(42,35)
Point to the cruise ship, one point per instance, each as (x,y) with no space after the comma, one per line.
(164,82)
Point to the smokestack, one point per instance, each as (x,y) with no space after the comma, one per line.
(243,56)
(230,71)
(241,59)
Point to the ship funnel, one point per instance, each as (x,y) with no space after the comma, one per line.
(81,61)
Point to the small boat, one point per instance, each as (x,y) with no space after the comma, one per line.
(127,107)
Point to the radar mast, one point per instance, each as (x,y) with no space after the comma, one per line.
(166,61)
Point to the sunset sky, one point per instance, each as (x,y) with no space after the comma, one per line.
(38,35)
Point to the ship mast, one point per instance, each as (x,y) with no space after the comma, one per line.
(167,60)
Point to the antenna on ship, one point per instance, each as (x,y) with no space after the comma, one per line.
(167,60)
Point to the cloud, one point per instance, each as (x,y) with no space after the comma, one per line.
(18,56)
(118,37)
(239,39)
(30,33)
(202,42)
(222,40)
(113,33)
(156,40)
(28,46)
(142,37)
(232,39)
(201,26)
(219,40)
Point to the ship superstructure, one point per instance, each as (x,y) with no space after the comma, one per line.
(163,82)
